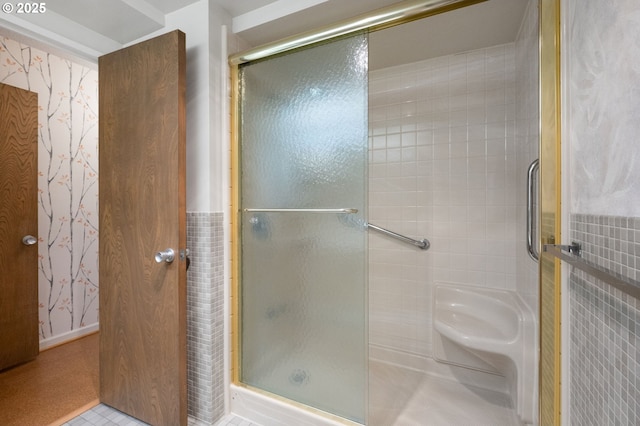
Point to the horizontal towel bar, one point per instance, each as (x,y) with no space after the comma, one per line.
(614,279)
(422,244)
(347,210)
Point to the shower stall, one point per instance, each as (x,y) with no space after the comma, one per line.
(331,139)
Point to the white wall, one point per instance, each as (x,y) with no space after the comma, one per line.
(203,24)
(603,78)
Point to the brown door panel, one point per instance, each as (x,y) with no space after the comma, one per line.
(19,341)
(142,212)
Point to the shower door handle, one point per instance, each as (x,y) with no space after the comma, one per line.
(533,167)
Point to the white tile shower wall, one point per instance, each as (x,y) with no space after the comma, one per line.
(205,316)
(442,166)
(527,144)
(604,351)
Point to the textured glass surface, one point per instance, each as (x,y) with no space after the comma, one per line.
(303,292)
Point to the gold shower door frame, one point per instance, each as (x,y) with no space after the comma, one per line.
(550,196)
(550,213)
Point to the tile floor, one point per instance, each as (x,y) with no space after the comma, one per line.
(399,397)
(102,415)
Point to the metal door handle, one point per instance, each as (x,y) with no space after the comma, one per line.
(29,240)
(166,255)
(531,196)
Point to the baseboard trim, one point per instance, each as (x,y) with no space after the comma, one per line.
(67,337)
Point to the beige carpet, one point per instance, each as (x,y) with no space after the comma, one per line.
(60,381)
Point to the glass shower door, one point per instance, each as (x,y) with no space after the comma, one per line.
(303,150)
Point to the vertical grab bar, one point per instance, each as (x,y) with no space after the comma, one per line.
(533,167)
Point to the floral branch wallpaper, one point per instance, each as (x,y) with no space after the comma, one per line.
(67,183)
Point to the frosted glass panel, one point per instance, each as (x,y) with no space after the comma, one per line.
(303,138)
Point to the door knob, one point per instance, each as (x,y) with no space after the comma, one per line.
(29,240)
(166,255)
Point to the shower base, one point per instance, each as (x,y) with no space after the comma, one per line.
(398,396)
(265,410)
(403,396)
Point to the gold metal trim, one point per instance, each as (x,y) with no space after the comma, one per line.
(386,17)
(235,231)
(550,205)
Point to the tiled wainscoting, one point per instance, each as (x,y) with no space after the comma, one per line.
(205,310)
(604,353)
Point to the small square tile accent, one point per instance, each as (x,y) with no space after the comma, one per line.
(205,316)
(604,333)
(104,415)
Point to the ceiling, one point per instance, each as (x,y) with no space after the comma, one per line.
(91,28)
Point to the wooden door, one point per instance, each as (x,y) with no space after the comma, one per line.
(18,219)
(142,212)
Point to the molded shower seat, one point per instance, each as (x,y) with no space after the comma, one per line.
(495,326)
